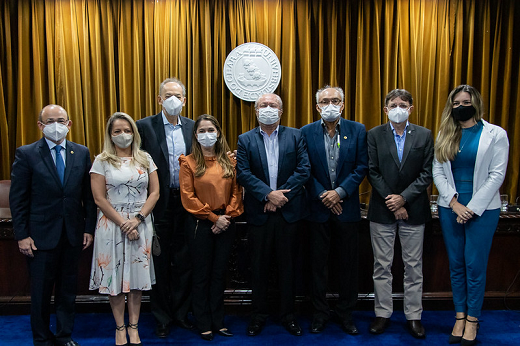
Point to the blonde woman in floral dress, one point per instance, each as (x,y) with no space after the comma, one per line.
(125,187)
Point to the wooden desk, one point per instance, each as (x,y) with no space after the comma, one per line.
(504,264)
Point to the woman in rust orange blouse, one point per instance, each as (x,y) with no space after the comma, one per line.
(210,193)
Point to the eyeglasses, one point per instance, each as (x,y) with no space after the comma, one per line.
(272,105)
(59,121)
(401,105)
(464,103)
(326,102)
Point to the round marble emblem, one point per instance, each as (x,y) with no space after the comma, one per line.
(251,70)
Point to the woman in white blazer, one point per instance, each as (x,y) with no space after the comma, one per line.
(468,169)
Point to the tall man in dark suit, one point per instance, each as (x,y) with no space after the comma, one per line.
(400,171)
(54,217)
(272,166)
(338,154)
(166,136)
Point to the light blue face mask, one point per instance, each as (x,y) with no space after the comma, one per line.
(172,105)
(398,114)
(330,112)
(207,139)
(268,115)
(55,131)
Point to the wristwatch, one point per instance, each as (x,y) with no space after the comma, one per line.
(140,217)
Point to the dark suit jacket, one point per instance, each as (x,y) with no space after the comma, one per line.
(41,206)
(253,173)
(153,141)
(351,169)
(409,178)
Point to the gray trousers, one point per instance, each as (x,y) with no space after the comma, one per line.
(383,238)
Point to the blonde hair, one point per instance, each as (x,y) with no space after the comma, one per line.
(450,132)
(109,149)
(221,149)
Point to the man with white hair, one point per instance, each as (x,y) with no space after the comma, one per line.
(338,154)
(272,166)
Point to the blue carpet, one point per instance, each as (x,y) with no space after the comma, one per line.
(497,328)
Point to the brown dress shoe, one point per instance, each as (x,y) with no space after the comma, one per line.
(416,329)
(379,325)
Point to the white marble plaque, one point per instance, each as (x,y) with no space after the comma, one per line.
(251,70)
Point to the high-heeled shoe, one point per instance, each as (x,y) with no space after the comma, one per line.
(456,339)
(120,329)
(466,342)
(134,326)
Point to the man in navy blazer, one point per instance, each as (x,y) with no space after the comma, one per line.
(54,218)
(338,154)
(166,136)
(400,171)
(272,166)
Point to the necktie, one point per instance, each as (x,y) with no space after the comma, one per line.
(60,165)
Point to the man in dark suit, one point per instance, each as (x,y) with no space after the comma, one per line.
(166,136)
(400,170)
(54,216)
(338,154)
(272,166)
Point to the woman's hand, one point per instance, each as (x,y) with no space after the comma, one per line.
(215,229)
(464,214)
(128,225)
(133,235)
(223,222)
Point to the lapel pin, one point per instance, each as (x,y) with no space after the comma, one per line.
(72,151)
(344,137)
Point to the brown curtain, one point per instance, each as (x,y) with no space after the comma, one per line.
(98,57)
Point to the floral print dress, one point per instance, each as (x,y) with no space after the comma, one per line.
(119,264)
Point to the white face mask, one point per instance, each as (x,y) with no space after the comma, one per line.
(123,140)
(207,139)
(330,112)
(172,105)
(268,115)
(398,114)
(55,131)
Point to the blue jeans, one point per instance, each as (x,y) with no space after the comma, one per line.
(468,247)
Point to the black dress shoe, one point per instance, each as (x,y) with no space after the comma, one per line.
(162,330)
(293,327)
(254,328)
(67,343)
(379,324)
(185,323)
(225,332)
(416,329)
(207,337)
(349,327)
(317,326)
